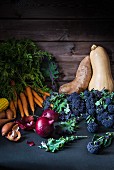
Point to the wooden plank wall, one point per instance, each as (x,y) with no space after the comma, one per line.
(65,29)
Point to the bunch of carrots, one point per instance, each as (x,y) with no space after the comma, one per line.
(26,99)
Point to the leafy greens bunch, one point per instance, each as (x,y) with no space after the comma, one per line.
(24,62)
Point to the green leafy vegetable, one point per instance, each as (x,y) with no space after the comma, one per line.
(67,127)
(22,61)
(54,145)
(60,103)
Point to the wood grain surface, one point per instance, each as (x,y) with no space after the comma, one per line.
(65,29)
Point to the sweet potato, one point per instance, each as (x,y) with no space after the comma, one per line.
(82,79)
(2,115)
(4,121)
(9,114)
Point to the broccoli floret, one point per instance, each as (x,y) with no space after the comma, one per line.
(92,127)
(108,122)
(100,110)
(73,96)
(102,116)
(75,103)
(93,148)
(98,93)
(76,112)
(108,101)
(88,106)
(91,111)
(111,108)
(86,93)
(63,116)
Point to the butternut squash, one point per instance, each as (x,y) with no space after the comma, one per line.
(102,77)
(81,81)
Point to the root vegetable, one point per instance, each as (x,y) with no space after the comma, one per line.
(37,96)
(82,79)
(7,128)
(4,121)
(30,98)
(15,100)
(9,114)
(43,92)
(20,106)
(2,115)
(44,127)
(24,103)
(38,102)
(12,107)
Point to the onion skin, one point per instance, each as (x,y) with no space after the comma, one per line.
(50,114)
(26,123)
(44,127)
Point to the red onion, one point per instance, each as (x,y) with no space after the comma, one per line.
(26,123)
(50,114)
(44,126)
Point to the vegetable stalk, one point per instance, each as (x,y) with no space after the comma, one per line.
(54,145)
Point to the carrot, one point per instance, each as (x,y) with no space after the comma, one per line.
(51,105)
(44,92)
(15,100)
(44,97)
(37,102)
(12,107)
(24,103)
(37,96)
(30,98)
(20,106)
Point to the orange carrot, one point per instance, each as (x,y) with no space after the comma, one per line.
(37,102)
(44,92)
(37,96)
(20,106)
(44,97)
(12,107)
(15,100)
(30,98)
(51,105)
(24,103)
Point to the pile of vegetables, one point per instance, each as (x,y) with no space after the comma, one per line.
(89,97)
(94,72)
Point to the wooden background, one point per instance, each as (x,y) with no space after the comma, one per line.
(65,29)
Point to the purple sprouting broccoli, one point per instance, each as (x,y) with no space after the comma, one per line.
(108,101)
(102,116)
(99,142)
(108,121)
(93,147)
(111,109)
(92,127)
